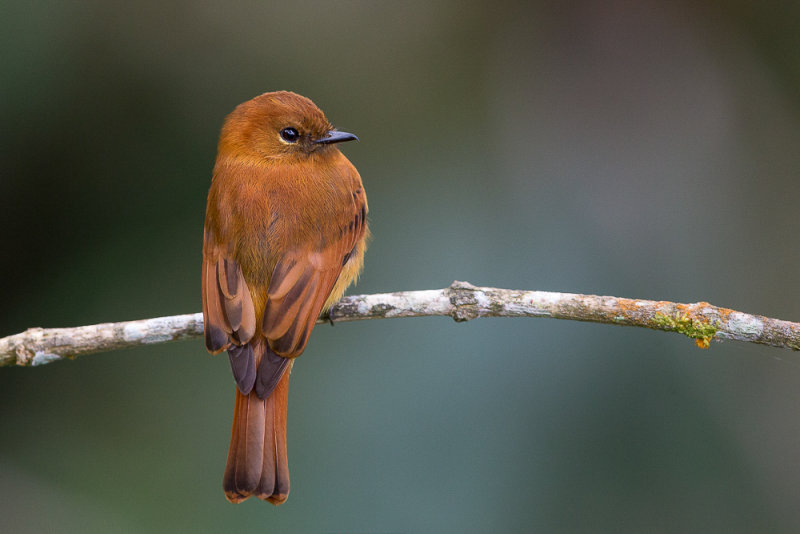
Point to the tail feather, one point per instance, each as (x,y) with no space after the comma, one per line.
(257,461)
(274,484)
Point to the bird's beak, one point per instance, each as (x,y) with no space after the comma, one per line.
(335,136)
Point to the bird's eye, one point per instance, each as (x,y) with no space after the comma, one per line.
(290,135)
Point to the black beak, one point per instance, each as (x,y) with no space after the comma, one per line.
(335,136)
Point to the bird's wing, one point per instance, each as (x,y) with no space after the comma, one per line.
(228,313)
(304,278)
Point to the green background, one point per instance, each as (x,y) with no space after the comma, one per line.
(641,149)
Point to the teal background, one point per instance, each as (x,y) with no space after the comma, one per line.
(640,149)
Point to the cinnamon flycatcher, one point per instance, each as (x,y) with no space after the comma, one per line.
(285,234)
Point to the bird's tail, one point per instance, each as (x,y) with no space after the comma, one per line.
(257,462)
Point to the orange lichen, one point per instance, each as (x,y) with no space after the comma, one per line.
(703,342)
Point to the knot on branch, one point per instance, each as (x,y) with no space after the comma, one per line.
(464,300)
(25,354)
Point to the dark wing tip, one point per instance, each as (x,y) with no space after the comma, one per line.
(243,365)
(270,371)
(216,339)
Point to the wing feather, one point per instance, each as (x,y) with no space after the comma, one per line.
(247,329)
(232,297)
(228,312)
(216,327)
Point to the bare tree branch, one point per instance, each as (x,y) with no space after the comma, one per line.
(462,301)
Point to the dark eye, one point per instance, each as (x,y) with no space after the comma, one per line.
(290,135)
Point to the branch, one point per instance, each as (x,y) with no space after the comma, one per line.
(461,301)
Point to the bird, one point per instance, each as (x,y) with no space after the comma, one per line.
(284,236)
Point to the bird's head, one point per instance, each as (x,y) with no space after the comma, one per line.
(278,125)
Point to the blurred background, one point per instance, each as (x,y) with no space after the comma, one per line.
(641,149)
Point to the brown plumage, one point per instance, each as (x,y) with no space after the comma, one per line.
(285,234)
